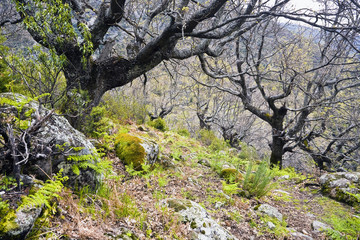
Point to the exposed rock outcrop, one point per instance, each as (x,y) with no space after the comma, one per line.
(22,224)
(203,227)
(319,226)
(342,186)
(55,145)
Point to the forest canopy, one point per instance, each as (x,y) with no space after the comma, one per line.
(239,68)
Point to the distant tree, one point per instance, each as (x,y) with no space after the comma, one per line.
(285,79)
(151,31)
(166,89)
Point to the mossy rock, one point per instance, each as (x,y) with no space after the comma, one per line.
(179,204)
(129,149)
(17,225)
(231,175)
(343,187)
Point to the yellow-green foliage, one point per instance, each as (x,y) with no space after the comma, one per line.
(159,124)
(208,138)
(183,132)
(231,175)
(280,230)
(7,216)
(23,112)
(128,207)
(258,183)
(345,224)
(124,107)
(97,123)
(4,69)
(45,194)
(129,150)
(289,172)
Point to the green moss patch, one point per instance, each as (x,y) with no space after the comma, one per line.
(231,175)
(128,148)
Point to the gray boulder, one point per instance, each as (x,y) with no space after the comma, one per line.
(341,186)
(22,224)
(270,211)
(62,145)
(300,236)
(202,226)
(151,149)
(319,226)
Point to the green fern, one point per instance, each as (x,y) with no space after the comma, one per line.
(92,161)
(44,195)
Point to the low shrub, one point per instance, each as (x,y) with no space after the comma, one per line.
(258,183)
(97,124)
(124,107)
(208,138)
(183,132)
(231,175)
(159,124)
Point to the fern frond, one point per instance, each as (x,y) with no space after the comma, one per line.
(44,195)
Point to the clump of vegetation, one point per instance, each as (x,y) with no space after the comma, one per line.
(345,225)
(280,230)
(289,171)
(183,132)
(128,148)
(231,175)
(208,138)
(159,124)
(124,108)
(97,124)
(4,74)
(46,193)
(39,197)
(258,183)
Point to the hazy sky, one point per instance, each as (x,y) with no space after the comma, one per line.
(304,4)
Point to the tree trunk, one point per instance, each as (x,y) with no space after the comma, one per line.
(278,136)
(277,150)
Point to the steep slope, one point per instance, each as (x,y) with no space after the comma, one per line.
(151,203)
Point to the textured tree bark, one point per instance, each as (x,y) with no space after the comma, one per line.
(277,151)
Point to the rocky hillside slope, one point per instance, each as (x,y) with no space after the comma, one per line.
(192,191)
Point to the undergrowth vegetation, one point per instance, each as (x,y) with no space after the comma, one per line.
(230,180)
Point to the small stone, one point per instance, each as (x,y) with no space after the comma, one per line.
(25,219)
(310,215)
(300,236)
(281,191)
(284,177)
(325,178)
(270,211)
(222,152)
(27,180)
(352,177)
(219,205)
(143,129)
(225,195)
(319,226)
(204,162)
(202,225)
(271,225)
